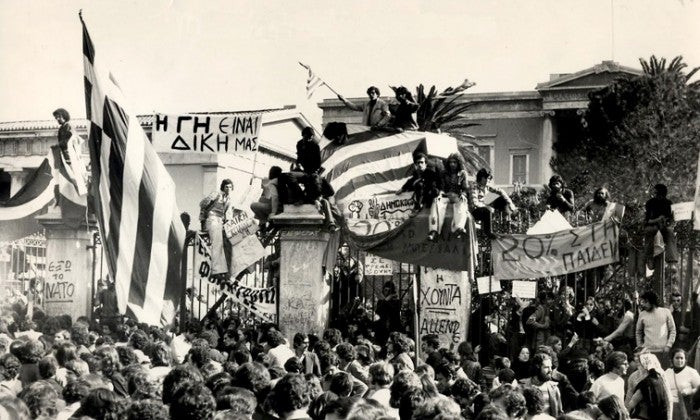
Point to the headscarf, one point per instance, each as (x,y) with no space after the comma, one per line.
(650,363)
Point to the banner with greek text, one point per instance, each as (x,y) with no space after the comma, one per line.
(552,254)
(444,299)
(260,301)
(236,134)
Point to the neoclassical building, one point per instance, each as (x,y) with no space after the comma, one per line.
(25,144)
(518,129)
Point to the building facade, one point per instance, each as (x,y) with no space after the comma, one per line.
(517,130)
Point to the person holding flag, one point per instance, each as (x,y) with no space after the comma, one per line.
(375,112)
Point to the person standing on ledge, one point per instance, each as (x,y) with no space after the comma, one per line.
(375,112)
(560,198)
(214,211)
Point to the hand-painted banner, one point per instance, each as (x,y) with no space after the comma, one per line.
(260,301)
(236,134)
(383,207)
(444,298)
(567,251)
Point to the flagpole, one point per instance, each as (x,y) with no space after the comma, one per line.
(324,82)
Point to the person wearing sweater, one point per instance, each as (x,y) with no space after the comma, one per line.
(656,329)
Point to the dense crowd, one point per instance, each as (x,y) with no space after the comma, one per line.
(58,368)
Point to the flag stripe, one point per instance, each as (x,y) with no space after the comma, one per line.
(134,199)
(398,173)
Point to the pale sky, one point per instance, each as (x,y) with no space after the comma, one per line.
(194,56)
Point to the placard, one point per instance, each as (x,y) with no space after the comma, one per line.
(378,266)
(482,285)
(236,134)
(383,207)
(443,299)
(524,289)
(683,211)
(552,254)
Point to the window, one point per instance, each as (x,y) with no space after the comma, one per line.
(519,168)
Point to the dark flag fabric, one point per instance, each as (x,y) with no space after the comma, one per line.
(134,200)
(367,169)
(18,213)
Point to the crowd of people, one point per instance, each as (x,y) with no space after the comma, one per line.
(630,366)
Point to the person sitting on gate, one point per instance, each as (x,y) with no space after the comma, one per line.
(480,203)
(215,209)
(560,198)
(425,182)
(268,204)
(454,192)
(658,218)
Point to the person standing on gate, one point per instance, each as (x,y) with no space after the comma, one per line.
(560,198)
(453,194)
(658,217)
(214,212)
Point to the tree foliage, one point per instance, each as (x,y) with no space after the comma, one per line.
(637,132)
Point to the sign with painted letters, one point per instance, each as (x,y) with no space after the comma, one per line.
(378,266)
(443,300)
(236,134)
(552,254)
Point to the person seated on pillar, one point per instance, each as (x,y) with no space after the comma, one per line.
(560,198)
(268,204)
(425,182)
(658,217)
(347,282)
(480,203)
(403,112)
(215,209)
(375,112)
(454,193)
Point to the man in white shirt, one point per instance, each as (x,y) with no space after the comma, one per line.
(612,383)
(279,351)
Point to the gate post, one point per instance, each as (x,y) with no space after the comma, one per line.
(68,285)
(303,293)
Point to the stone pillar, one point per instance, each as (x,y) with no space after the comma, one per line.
(303,292)
(18,180)
(68,276)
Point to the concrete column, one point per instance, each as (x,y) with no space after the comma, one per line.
(303,291)
(18,180)
(68,282)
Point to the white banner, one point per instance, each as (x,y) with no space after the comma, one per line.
(378,266)
(236,134)
(260,301)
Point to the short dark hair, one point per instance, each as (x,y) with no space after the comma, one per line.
(483,173)
(224,183)
(254,377)
(614,360)
(63,113)
(381,373)
(307,132)
(410,401)
(346,351)
(661,189)
(41,399)
(275,172)
(534,400)
(146,409)
(341,384)
(539,359)
(431,340)
(557,178)
(651,297)
(373,89)
(403,381)
(290,394)
(192,401)
(418,156)
(47,367)
(178,376)
(100,403)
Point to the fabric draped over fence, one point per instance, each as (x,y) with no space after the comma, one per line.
(373,164)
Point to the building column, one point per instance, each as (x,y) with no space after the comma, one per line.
(68,278)
(546,151)
(304,294)
(19,177)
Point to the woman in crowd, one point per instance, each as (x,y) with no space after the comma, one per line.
(684,381)
(522,365)
(651,399)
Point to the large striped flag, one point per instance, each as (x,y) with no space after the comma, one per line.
(134,200)
(313,82)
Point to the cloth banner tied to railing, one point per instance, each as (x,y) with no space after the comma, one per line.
(553,254)
(261,302)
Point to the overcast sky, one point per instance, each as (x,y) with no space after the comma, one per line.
(179,56)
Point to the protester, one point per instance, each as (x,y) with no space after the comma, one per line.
(454,195)
(651,399)
(655,329)
(684,382)
(375,112)
(560,198)
(403,112)
(658,218)
(425,182)
(484,200)
(215,210)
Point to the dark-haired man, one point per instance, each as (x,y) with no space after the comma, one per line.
(656,330)
(375,112)
(542,364)
(481,207)
(425,182)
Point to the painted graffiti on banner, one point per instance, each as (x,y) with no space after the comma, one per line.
(206,133)
(567,251)
(239,226)
(383,207)
(442,298)
(260,301)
